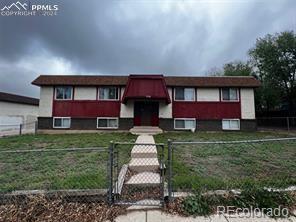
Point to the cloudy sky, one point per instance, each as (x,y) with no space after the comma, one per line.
(186,37)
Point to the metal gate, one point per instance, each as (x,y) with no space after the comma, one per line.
(136,174)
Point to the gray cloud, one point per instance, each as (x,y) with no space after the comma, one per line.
(129,36)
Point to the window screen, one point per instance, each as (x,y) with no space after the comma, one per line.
(231,124)
(61,122)
(107,123)
(108,93)
(64,92)
(185,123)
(185,94)
(229,94)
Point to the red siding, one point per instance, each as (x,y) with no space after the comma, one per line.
(146,87)
(76,108)
(206,110)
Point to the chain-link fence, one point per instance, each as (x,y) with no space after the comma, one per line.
(224,165)
(75,174)
(18,129)
(285,123)
(137,174)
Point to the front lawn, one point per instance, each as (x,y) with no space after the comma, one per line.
(195,166)
(58,141)
(57,169)
(222,166)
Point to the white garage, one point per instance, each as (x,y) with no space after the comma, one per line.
(17,111)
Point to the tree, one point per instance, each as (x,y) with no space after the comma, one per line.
(274,57)
(237,68)
(214,72)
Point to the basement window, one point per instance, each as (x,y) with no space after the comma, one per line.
(107,123)
(231,124)
(63,93)
(184,94)
(108,93)
(184,124)
(61,122)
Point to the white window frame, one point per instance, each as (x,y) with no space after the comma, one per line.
(230,100)
(116,118)
(118,93)
(194,94)
(55,92)
(61,127)
(230,128)
(184,119)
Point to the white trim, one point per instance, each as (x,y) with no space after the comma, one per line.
(178,100)
(231,120)
(116,118)
(184,119)
(118,93)
(237,94)
(55,92)
(60,127)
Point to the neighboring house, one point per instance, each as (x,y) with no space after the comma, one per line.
(16,110)
(170,102)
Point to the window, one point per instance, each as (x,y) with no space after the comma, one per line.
(61,122)
(230,124)
(186,124)
(230,94)
(107,122)
(108,93)
(184,94)
(63,93)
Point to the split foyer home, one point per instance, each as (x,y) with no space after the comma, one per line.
(169,102)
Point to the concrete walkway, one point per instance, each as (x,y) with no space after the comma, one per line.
(158,216)
(141,183)
(144,161)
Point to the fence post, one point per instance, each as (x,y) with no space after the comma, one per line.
(162,172)
(288,124)
(169,170)
(110,173)
(36,126)
(20,131)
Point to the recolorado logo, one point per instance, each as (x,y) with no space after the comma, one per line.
(29,9)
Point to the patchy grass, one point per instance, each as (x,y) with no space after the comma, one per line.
(270,203)
(216,166)
(57,169)
(57,141)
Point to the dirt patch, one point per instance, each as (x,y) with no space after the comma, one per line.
(174,207)
(134,194)
(40,145)
(38,208)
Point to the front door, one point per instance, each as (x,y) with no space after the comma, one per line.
(146,113)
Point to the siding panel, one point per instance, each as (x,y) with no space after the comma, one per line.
(206,110)
(85,93)
(247,104)
(208,94)
(86,108)
(45,103)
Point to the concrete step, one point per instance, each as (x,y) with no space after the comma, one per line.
(144,151)
(150,130)
(144,179)
(146,204)
(145,139)
(144,164)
